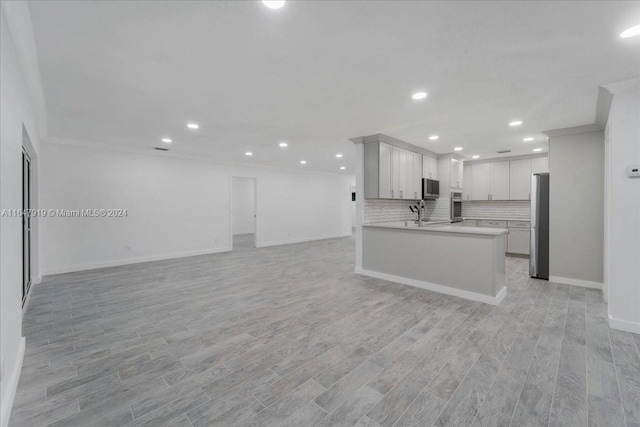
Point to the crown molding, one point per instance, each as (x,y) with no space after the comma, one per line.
(380,137)
(573,130)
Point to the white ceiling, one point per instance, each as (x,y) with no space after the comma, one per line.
(314,74)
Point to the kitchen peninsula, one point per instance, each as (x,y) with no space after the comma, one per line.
(467,262)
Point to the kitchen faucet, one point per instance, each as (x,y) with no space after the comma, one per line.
(419,208)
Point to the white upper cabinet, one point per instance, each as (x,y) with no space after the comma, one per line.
(456,173)
(499,181)
(520,179)
(540,165)
(397,161)
(468,179)
(503,180)
(489,181)
(481,181)
(417,175)
(406,174)
(429,167)
(385,171)
(408,190)
(391,172)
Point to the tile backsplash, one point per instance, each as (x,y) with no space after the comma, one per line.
(382,210)
(509,209)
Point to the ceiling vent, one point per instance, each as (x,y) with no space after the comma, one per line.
(503,151)
(160,149)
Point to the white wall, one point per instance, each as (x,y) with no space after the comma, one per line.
(176,206)
(623,212)
(576,205)
(16,110)
(243,206)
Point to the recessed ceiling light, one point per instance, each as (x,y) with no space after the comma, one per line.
(419,95)
(476,156)
(248,153)
(303,162)
(537,149)
(193,125)
(166,140)
(283,144)
(515,123)
(527,139)
(274,4)
(434,137)
(631,32)
(457,149)
(339,155)
(342,168)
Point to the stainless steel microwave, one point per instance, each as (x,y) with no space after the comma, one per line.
(430,189)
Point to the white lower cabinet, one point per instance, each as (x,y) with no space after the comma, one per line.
(518,241)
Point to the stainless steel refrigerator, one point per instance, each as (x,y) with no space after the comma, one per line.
(539,253)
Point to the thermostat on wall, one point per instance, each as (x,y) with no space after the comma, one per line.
(633,171)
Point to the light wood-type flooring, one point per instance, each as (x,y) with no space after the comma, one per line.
(290,336)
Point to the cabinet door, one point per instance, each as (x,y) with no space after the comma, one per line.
(520,179)
(433,168)
(540,165)
(408,191)
(466,183)
(395,173)
(499,181)
(425,167)
(384,171)
(400,162)
(518,241)
(481,184)
(456,173)
(417,176)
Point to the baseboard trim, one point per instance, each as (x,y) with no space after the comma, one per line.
(291,241)
(576,282)
(139,260)
(473,296)
(624,325)
(12,386)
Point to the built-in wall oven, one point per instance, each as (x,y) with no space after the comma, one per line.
(456,206)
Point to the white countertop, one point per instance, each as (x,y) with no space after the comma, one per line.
(496,219)
(439,228)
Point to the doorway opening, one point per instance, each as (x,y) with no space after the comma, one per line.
(26,226)
(243,213)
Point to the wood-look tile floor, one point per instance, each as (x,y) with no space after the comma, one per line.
(290,336)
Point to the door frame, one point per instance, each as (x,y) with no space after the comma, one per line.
(255,208)
(29,150)
(27,259)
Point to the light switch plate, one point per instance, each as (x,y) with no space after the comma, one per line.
(633,171)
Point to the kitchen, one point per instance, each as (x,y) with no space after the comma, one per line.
(423,210)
